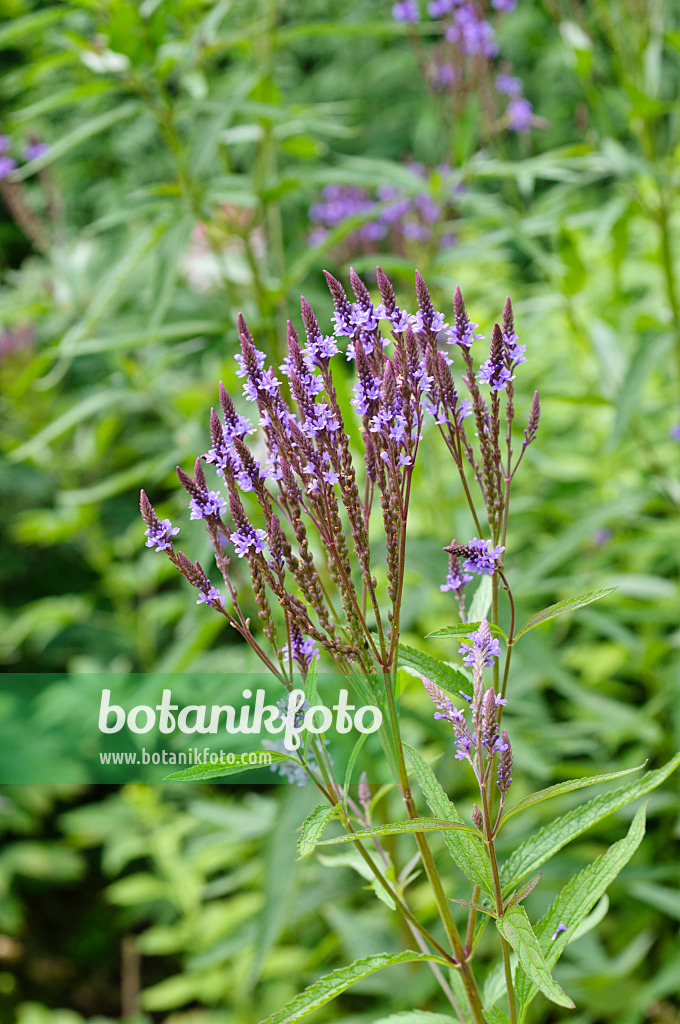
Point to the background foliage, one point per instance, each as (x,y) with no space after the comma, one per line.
(187,142)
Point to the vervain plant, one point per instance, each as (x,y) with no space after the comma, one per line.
(310,545)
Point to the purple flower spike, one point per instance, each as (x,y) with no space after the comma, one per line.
(248,537)
(211,503)
(161,535)
(478,556)
(481,647)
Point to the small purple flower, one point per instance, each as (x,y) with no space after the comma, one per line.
(248,537)
(504,5)
(481,648)
(445,709)
(304,651)
(484,558)
(455,581)
(7,165)
(519,113)
(495,375)
(406,10)
(558,931)
(212,595)
(508,85)
(211,503)
(32,150)
(161,536)
(440,8)
(675,432)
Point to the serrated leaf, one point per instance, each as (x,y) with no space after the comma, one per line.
(446,676)
(217,771)
(564,787)
(462,629)
(313,827)
(465,851)
(515,928)
(331,985)
(473,906)
(576,899)
(552,837)
(496,1016)
(562,607)
(523,892)
(397,827)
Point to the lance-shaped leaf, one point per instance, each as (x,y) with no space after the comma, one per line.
(564,787)
(331,985)
(450,678)
(574,901)
(397,827)
(552,837)
(515,928)
(462,629)
(562,607)
(521,894)
(466,852)
(255,759)
(313,827)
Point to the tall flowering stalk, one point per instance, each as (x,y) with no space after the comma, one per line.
(300,490)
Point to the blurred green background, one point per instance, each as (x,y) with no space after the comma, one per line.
(194,148)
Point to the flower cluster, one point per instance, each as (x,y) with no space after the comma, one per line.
(478,738)
(391,214)
(467,51)
(325,592)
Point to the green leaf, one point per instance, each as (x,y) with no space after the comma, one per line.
(331,985)
(522,893)
(473,906)
(31,24)
(564,787)
(575,900)
(353,757)
(465,851)
(397,827)
(562,607)
(447,676)
(515,928)
(548,840)
(463,628)
(217,771)
(496,1016)
(84,131)
(481,601)
(313,828)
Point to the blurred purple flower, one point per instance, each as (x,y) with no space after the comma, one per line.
(7,165)
(508,85)
(33,149)
(519,113)
(406,10)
